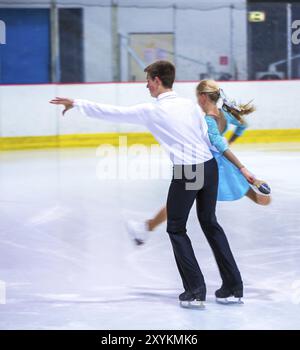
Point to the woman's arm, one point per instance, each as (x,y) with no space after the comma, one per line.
(238,132)
(214,135)
(217,140)
(233,137)
(234,160)
(240,127)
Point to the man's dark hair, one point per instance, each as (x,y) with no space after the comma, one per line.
(164,70)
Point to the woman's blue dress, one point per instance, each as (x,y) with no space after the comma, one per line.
(232,184)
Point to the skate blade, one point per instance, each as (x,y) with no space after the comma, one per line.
(256,189)
(138,242)
(195,304)
(230,301)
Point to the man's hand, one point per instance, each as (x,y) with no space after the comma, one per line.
(67,102)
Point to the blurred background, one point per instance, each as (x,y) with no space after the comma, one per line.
(112,40)
(86,48)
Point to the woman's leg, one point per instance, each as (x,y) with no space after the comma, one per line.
(158,219)
(258,198)
(139,230)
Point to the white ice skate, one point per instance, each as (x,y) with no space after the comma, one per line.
(138,231)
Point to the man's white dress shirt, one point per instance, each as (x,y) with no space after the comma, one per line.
(176,123)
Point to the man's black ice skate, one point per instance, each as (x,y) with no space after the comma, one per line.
(190,300)
(230,295)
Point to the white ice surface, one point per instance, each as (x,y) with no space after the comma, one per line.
(68,263)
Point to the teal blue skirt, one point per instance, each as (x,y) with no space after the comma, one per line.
(232,184)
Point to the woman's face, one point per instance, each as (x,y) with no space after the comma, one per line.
(201,99)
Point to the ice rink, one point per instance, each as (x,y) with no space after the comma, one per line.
(68,263)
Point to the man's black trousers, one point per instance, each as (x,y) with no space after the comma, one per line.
(179,203)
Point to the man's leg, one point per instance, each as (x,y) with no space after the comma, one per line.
(206,206)
(179,204)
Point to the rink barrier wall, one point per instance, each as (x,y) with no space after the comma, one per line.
(28,121)
(145,138)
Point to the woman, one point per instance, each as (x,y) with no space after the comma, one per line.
(234,180)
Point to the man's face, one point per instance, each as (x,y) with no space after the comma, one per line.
(153,86)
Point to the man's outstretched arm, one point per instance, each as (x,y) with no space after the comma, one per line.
(137,114)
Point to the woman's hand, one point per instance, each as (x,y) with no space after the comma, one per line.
(248,175)
(67,102)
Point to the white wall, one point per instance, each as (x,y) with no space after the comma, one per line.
(25,111)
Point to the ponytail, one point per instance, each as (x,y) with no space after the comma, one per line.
(237,110)
(212,90)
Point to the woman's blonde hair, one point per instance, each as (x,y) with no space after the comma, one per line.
(211,88)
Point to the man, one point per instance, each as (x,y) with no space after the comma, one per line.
(178,125)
